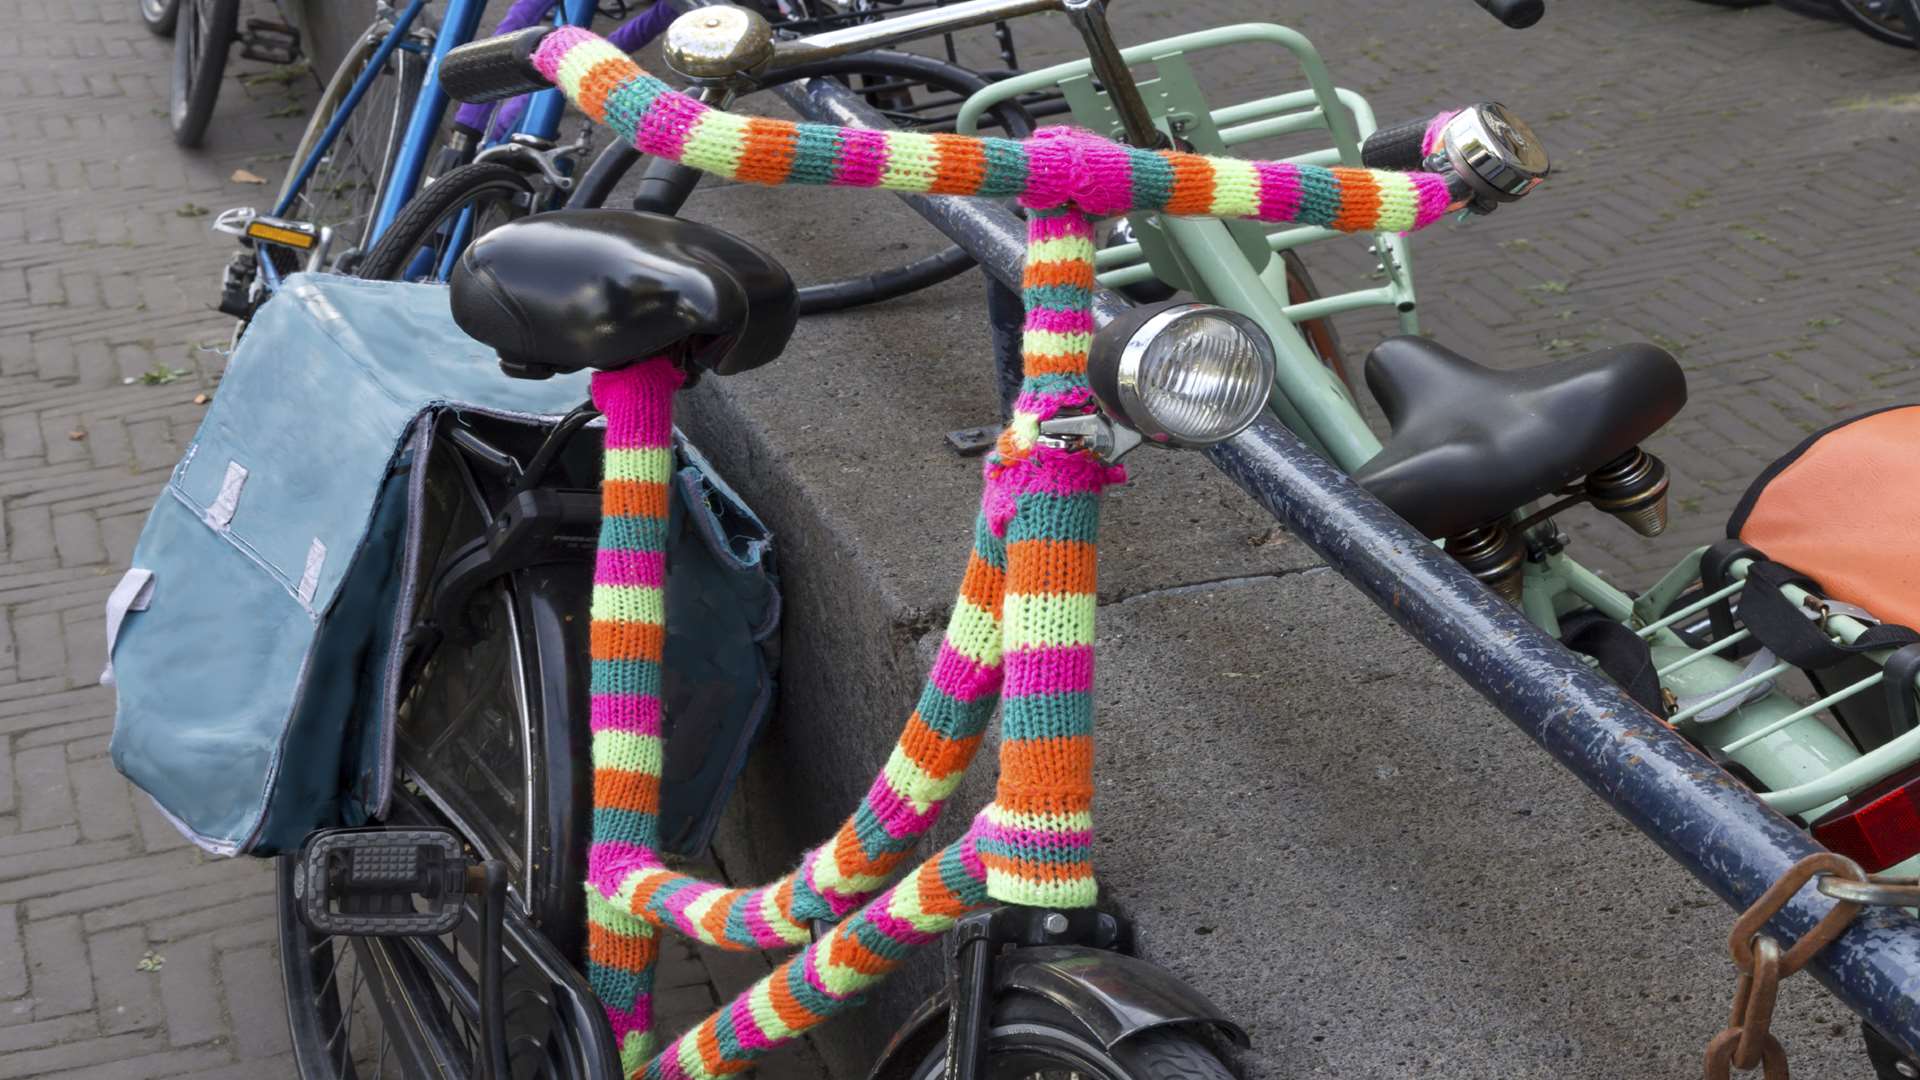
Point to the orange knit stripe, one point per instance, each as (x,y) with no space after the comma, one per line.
(790,1011)
(644,892)
(983,584)
(1057,364)
(963,165)
(936,755)
(848,952)
(1030,869)
(1359,199)
(715,920)
(620,789)
(634,498)
(1050,566)
(1068,272)
(706,1039)
(600,80)
(633,951)
(1060,768)
(627,640)
(1192,183)
(937,899)
(767,157)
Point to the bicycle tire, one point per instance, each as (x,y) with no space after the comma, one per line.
(614,163)
(1734,3)
(1895,22)
(159,16)
(200,50)
(1029,1032)
(426,212)
(343,191)
(1824,10)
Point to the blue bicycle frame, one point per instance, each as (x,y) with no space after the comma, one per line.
(541,119)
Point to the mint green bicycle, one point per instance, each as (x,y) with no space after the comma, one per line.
(1482,460)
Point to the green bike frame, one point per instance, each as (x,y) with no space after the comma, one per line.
(1804,766)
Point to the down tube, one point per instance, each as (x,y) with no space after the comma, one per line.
(463,17)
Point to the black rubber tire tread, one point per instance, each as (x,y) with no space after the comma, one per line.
(1170,1053)
(1735,3)
(1396,147)
(1813,9)
(159,16)
(1863,20)
(425,211)
(611,165)
(196,79)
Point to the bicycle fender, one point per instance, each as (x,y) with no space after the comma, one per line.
(1115,996)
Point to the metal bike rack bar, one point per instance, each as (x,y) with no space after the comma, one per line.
(1711,825)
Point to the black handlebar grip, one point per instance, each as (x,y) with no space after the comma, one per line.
(495,69)
(1518,14)
(1396,147)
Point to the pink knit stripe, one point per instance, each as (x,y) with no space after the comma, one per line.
(961,679)
(897,928)
(546,58)
(1060,670)
(863,158)
(1060,322)
(609,861)
(757,925)
(896,813)
(664,129)
(1431,140)
(1053,228)
(644,568)
(1279,190)
(1434,198)
(635,714)
(627,1021)
(746,1028)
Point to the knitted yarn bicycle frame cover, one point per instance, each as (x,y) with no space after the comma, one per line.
(1021,632)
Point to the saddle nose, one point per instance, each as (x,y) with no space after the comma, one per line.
(573,289)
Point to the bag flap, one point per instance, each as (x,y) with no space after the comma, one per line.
(1844,509)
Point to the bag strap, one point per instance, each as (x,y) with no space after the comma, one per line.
(1623,655)
(1901,668)
(1792,632)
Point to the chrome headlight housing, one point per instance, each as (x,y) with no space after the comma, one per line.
(1182,374)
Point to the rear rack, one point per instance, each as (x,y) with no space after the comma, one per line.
(1873,765)
(1174,96)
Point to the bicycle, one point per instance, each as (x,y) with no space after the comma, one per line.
(201,45)
(574,290)
(369,148)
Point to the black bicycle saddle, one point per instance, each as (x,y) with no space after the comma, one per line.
(1471,444)
(573,289)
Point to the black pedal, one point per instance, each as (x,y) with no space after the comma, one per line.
(382,882)
(236,289)
(271,42)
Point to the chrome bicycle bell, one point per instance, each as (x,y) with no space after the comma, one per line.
(717,43)
(1494,154)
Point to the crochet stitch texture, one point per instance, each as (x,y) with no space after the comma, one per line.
(1021,631)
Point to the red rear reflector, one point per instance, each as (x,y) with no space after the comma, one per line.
(1878,827)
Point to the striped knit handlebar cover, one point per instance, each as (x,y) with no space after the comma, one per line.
(1024,616)
(1057,166)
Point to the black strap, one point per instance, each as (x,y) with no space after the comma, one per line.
(1784,627)
(1901,668)
(1716,564)
(1622,655)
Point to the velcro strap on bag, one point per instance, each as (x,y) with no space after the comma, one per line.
(1793,632)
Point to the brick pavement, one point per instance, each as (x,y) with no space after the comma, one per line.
(108,273)
(1787,286)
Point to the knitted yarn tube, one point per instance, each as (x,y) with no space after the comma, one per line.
(1024,616)
(1023,619)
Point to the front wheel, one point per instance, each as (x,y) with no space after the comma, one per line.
(444,218)
(160,15)
(1034,1039)
(200,46)
(1895,22)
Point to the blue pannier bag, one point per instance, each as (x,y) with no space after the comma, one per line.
(257,643)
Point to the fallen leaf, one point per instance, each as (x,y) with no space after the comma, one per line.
(201,399)
(77,434)
(242,176)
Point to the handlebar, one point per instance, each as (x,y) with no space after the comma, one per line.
(495,69)
(1518,14)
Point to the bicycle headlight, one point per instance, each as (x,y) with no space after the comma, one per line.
(1182,373)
